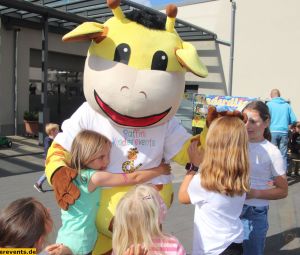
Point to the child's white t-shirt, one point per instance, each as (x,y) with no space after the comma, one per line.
(216,221)
(266,162)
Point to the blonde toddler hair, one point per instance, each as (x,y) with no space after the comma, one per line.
(86,144)
(51,126)
(137,219)
(225,167)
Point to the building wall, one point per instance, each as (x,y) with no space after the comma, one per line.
(267,52)
(27,39)
(267,39)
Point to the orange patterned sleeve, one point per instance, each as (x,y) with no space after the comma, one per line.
(57,157)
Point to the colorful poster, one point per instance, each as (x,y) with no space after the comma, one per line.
(200,108)
(223,103)
(201,103)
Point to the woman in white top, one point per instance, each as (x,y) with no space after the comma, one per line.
(266,165)
(219,190)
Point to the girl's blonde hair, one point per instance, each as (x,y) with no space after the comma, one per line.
(137,219)
(86,144)
(225,167)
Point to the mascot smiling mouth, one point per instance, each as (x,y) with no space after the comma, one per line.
(127,120)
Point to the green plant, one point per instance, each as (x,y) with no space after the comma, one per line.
(30,116)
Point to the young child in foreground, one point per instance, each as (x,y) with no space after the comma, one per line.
(138,219)
(219,190)
(26,223)
(90,155)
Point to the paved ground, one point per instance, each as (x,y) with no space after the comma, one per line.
(21,166)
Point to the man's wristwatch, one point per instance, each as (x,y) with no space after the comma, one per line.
(191,167)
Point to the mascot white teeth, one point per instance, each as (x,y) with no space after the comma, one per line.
(133,84)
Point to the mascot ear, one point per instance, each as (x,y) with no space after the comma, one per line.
(212,114)
(235,113)
(189,58)
(87,31)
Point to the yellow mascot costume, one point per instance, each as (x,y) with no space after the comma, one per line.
(134,79)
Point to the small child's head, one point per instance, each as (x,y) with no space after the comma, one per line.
(225,168)
(90,150)
(52,129)
(138,218)
(25,223)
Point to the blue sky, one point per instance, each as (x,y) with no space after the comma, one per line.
(160,4)
(163,2)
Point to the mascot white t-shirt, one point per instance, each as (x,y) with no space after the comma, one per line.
(132,148)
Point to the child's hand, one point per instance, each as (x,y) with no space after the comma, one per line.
(196,155)
(141,250)
(164,168)
(58,249)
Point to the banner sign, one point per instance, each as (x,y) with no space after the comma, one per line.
(222,103)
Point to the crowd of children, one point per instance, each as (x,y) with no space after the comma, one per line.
(230,184)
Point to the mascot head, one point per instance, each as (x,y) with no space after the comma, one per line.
(134,71)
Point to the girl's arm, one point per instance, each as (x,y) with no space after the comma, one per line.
(103,178)
(183,195)
(58,249)
(196,157)
(279,191)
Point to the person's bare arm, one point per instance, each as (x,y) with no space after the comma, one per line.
(183,195)
(58,249)
(196,157)
(280,190)
(107,179)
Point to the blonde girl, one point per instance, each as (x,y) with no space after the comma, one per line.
(219,190)
(90,155)
(138,219)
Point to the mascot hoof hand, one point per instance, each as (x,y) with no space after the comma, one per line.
(66,192)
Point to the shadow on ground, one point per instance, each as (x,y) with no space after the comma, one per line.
(10,166)
(276,244)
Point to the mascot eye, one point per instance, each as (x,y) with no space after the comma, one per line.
(122,53)
(159,61)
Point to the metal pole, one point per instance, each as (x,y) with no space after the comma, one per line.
(15,78)
(44,115)
(233,10)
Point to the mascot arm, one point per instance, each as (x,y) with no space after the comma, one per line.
(61,176)
(56,158)
(182,156)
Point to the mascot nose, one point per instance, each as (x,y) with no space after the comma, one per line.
(126,92)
